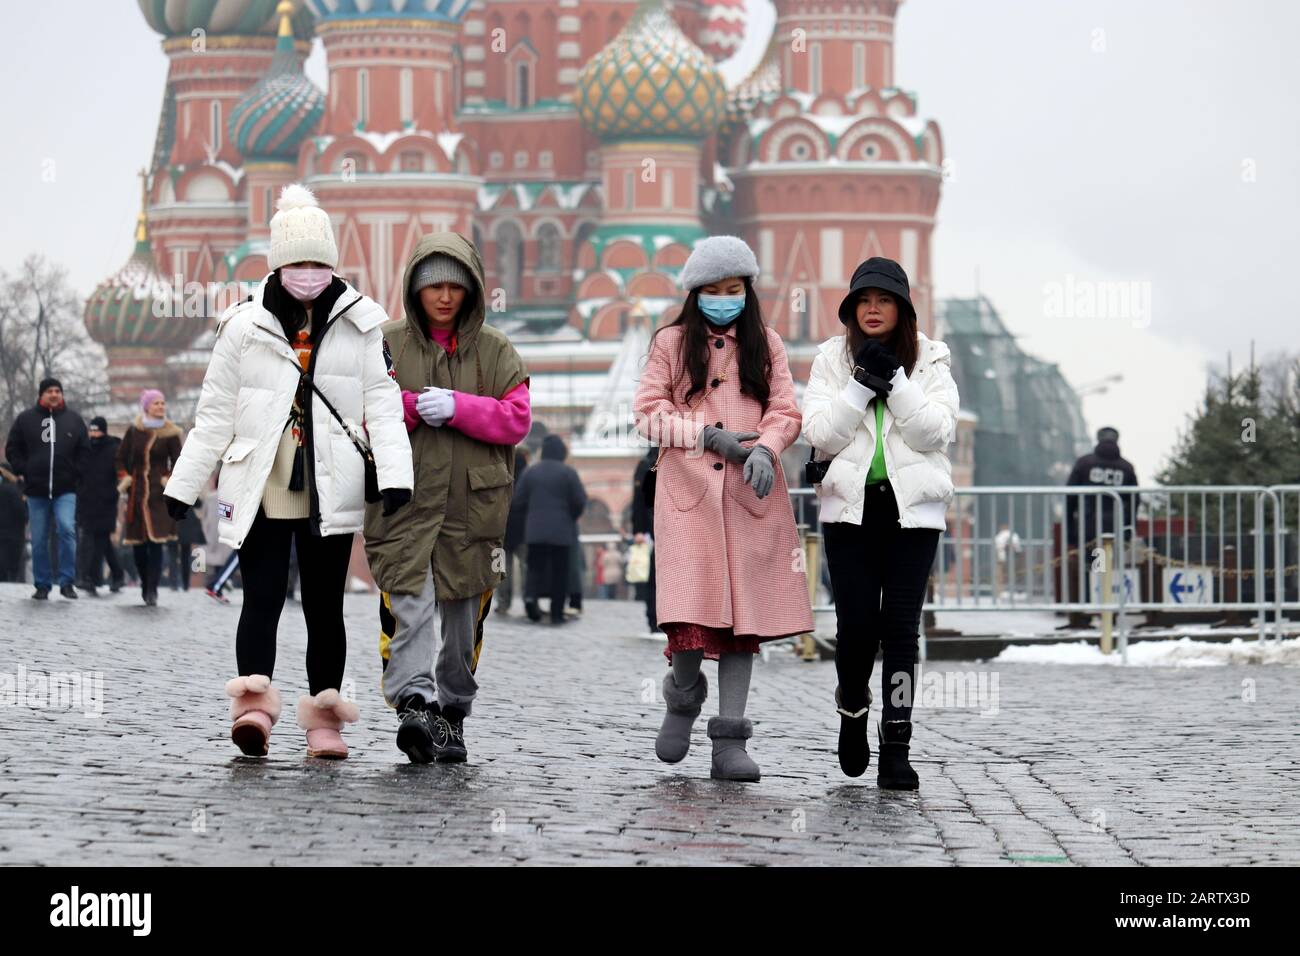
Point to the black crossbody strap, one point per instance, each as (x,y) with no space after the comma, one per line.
(305,376)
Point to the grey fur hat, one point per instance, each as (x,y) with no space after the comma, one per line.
(440,267)
(718,257)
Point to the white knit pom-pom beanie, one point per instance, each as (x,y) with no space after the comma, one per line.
(301,230)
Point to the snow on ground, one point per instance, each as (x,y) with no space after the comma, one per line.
(1183,652)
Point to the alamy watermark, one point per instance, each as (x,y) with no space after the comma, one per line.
(59,690)
(1075,298)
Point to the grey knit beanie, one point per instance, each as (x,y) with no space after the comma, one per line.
(718,257)
(440,267)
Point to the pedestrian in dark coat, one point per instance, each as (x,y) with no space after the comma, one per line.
(514,540)
(643,529)
(13,526)
(552,498)
(1104,467)
(47,446)
(145,459)
(97,507)
(189,534)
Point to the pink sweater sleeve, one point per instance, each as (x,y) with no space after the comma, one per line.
(409,414)
(496,421)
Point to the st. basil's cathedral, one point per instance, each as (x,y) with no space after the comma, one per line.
(584,145)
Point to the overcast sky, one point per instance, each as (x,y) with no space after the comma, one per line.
(1152,142)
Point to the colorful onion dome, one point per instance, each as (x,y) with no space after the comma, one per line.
(448,11)
(763,80)
(173,18)
(282,109)
(723,30)
(121,311)
(650,80)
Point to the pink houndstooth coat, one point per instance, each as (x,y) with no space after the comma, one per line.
(723,557)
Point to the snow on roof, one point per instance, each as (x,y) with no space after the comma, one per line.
(235,173)
(569,195)
(449,141)
(915,125)
(881,165)
(381,141)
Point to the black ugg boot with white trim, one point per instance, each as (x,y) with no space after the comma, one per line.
(895,773)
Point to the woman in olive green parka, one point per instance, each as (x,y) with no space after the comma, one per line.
(465,396)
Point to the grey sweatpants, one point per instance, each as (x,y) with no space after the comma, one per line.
(415,662)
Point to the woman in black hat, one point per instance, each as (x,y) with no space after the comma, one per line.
(880,409)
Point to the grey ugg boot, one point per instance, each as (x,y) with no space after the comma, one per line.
(730,761)
(674,738)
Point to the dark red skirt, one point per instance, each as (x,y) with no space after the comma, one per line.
(713,641)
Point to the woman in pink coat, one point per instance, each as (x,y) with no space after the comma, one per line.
(717,397)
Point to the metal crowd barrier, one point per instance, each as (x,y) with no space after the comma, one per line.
(1163,551)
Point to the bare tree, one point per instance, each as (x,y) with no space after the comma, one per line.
(41,334)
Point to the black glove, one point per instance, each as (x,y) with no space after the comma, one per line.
(875,366)
(176,509)
(394,498)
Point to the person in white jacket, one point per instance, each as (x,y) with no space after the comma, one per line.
(880,409)
(298,386)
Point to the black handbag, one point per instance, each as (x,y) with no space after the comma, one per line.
(373,494)
(814,472)
(648,482)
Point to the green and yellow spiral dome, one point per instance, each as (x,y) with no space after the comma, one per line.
(650,80)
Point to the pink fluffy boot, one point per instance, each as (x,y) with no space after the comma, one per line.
(254,709)
(323,716)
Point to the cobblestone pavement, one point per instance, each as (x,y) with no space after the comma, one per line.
(1079,765)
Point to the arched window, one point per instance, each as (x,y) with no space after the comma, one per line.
(523,98)
(510,261)
(549,257)
(859,65)
(814,68)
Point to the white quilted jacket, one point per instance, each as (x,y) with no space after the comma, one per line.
(244,405)
(920,421)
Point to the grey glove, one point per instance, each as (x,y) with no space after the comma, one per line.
(727,444)
(760,471)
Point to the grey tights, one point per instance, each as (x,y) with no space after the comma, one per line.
(734,671)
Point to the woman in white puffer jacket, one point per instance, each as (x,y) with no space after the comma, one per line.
(881,408)
(292,472)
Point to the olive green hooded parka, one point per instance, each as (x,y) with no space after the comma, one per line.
(457,514)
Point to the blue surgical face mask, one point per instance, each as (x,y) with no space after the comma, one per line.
(721,309)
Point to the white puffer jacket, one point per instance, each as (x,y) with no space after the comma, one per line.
(920,421)
(244,405)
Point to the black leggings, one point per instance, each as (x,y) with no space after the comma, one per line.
(264,567)
(878,573)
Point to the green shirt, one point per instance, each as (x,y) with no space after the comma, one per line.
(876,473)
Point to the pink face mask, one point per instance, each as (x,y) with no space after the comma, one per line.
(305,283)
